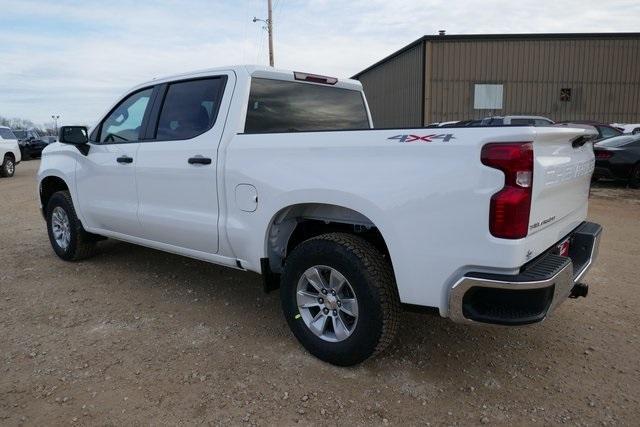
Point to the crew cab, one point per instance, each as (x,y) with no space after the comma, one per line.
(9,152)
(283,174)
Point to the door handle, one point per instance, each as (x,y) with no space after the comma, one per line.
(124,159)
(199,160)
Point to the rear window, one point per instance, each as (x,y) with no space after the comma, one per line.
(618,141)
(7,134)
(608,132)
(283,106)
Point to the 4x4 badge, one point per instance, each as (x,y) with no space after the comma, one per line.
(445,137)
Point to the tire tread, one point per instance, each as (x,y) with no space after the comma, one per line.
(85,245)
(382,278)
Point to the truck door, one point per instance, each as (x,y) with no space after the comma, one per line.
(176,171)
(105,177)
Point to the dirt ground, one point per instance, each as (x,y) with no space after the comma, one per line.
(137,336)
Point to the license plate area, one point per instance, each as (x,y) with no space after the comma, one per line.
(563,247)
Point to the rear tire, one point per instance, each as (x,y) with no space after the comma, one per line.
(8,167)
(634,181)
(368,290)
(68,238)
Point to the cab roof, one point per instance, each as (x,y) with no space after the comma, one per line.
(249,70)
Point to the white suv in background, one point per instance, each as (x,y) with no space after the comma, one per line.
(9,152)
(517,121)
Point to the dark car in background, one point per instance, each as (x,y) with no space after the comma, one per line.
(30,142)
(49,139)
(604,130)
(618,158)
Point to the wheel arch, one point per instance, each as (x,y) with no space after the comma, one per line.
(48,186)
(298,222)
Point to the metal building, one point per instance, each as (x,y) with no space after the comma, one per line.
(460,77)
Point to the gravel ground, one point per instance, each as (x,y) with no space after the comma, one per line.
(136,336)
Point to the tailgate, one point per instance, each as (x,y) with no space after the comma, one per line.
(561,178)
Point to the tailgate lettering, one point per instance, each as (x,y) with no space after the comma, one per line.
(560,174)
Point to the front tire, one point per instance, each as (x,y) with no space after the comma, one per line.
(8,167)
(68,238)
(339,298)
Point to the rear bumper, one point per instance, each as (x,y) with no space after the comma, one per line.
(531,295)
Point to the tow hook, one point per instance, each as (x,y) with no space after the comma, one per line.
(579,290)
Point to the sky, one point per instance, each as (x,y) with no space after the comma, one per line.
(76,58)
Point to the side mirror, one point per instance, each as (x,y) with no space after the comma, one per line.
(75,135)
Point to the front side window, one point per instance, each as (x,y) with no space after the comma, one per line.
(125,122)
(20,134)
(284,106)
(190,108)
(7,134)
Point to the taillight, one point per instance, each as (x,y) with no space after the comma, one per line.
(602,154)
(510,207)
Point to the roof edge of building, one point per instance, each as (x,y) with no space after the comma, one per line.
(522,36)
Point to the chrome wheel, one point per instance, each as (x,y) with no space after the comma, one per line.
(61,227)
(327,303)
(10,167)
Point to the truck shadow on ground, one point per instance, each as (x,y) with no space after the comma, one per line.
(425,341)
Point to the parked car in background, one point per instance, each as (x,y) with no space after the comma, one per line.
(9,152)
(516,121)
(30,142)
(467,123)
(604,131)
(618,158)
(452,123)
(49,139)
(630,128)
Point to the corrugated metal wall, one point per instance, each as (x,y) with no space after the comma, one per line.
(603,74)
(394,89)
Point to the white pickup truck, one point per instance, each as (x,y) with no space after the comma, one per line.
(9,152)
(282,173)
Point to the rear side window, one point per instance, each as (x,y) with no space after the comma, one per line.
(283,106)
(190,108)
(7,134)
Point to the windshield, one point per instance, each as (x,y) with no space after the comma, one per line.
(7,134)
(618,141)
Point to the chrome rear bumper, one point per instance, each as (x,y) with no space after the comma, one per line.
(531,295)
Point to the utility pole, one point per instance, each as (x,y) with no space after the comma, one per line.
(55,120)
(269,28)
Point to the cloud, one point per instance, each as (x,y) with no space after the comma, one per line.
(75,58)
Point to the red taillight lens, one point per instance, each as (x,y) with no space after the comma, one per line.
(510,207)
(602,155)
